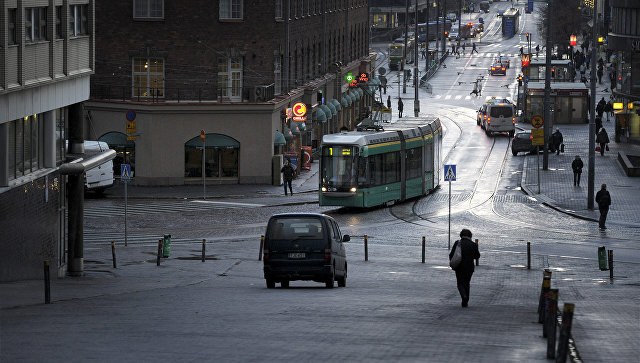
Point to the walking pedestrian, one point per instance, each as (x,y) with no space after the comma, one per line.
(600,107)
(388,101)
(608,109)
(600,72)
(537,50)
(465,269)
(521,51)
(577,166)
(598,125)
(453,49)
(474,48)
(464,47)
(603,198)
(603,140)
(557,140)
(400,107)
(288,173)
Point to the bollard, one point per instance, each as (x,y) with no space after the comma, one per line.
(47,283)
(204,249)
(159,252)
(423,248)
(610,264)
(366,248)
(552,322)
(113,253)
(528,255)
(477,259)
(261,248)
(565,333)
(546,285)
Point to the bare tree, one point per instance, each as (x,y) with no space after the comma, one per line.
(566,20)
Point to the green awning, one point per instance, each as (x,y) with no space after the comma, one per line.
(354,96)
(346,101)
(327,111)
(300,124)
(288,135)
(360,92)
(278,139)
(319,115)
(117,140)
(214,141)
(332,108)
(336,104)
(294,129)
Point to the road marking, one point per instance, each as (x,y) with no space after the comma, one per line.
(458,97)
(228,203)
(447,97)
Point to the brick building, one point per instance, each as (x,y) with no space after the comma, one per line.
(46,58)
(170,69)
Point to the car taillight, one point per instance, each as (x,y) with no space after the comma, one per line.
(488,120)
(493,68)
(503,68)
(266,254)
(327,252)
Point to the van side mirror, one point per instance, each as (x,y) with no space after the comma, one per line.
(346,238)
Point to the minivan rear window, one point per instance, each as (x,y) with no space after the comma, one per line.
(295,228)
(501,111)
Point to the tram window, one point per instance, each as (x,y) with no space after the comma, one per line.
(413,162)
(391,167)
(362,171)
(376,170)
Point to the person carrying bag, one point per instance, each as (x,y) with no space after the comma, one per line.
(466,251)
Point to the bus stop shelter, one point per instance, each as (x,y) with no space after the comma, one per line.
(569,102)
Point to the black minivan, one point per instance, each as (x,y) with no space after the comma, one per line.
(304,246)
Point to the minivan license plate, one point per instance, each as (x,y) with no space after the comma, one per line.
(297,255)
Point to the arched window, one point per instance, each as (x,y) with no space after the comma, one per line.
(221,157)
(125,150)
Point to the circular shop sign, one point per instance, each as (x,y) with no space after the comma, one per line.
(299,109)
(537,121)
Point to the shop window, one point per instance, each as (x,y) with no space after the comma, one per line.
(221,157)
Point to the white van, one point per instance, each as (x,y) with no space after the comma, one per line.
(101,177)
(497,115)
(454,33)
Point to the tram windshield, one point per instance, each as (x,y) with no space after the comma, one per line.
(339,166)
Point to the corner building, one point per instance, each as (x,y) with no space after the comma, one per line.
(169,69)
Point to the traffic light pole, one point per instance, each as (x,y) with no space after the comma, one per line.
(592,112)
(547,93)
(404,49)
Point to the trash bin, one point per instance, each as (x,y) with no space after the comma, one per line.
(602,258)
(166,245)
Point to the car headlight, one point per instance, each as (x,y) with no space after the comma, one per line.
(324,189)
(353,190)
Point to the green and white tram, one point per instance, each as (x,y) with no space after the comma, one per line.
(370,168)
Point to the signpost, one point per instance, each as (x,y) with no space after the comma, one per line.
(537,139)
(449,175)
(131,125)
(203,138)
(125,176)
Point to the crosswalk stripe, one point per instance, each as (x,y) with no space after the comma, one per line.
(153,207)
(458,97)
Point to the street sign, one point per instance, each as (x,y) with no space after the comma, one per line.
(131,115)
(449,173)
(125,172)
(537,121)
(537,137)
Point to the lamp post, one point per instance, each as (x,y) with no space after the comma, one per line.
(592,113)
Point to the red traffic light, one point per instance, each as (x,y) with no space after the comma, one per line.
(470,25)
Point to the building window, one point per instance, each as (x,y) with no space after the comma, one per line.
(35,24)
(221,157)
(148,77)
(78,20)
(13,30)
(277,75)
(60,134)
(58,22)
(25,146)
(278,9)
(148,9)
(230,9)
(230,78)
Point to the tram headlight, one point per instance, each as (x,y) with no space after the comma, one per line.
(324,189)
(353,190)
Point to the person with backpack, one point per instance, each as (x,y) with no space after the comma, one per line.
(603,198)
(468,252)
(288,173)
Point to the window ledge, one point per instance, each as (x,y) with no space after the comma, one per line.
(231,20)
(149,19)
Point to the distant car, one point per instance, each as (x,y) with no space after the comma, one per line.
(304,246)
(504,60)
(522,141)
(498,68)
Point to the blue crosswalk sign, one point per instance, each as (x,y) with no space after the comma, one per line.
(125,172)
(449,173)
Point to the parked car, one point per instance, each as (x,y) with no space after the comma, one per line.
(498,68)
(304,246)
(522,141)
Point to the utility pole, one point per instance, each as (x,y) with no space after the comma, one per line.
(444,26)
(426,47)
(416,101)
(287,15)
(547,92)
(404,49)
(592,110)
(459,25)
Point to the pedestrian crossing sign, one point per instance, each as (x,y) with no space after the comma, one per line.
(125,172)
(449,173)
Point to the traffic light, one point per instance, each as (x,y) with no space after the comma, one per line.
(470,25)
(527,36)
(519,81)
(319,97)
(553,73)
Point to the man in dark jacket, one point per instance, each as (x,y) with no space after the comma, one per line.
(465,269)
(600,107)
(288,173)
(603,140)
(577,166)
(400,107)
(557,140)
(603,198)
